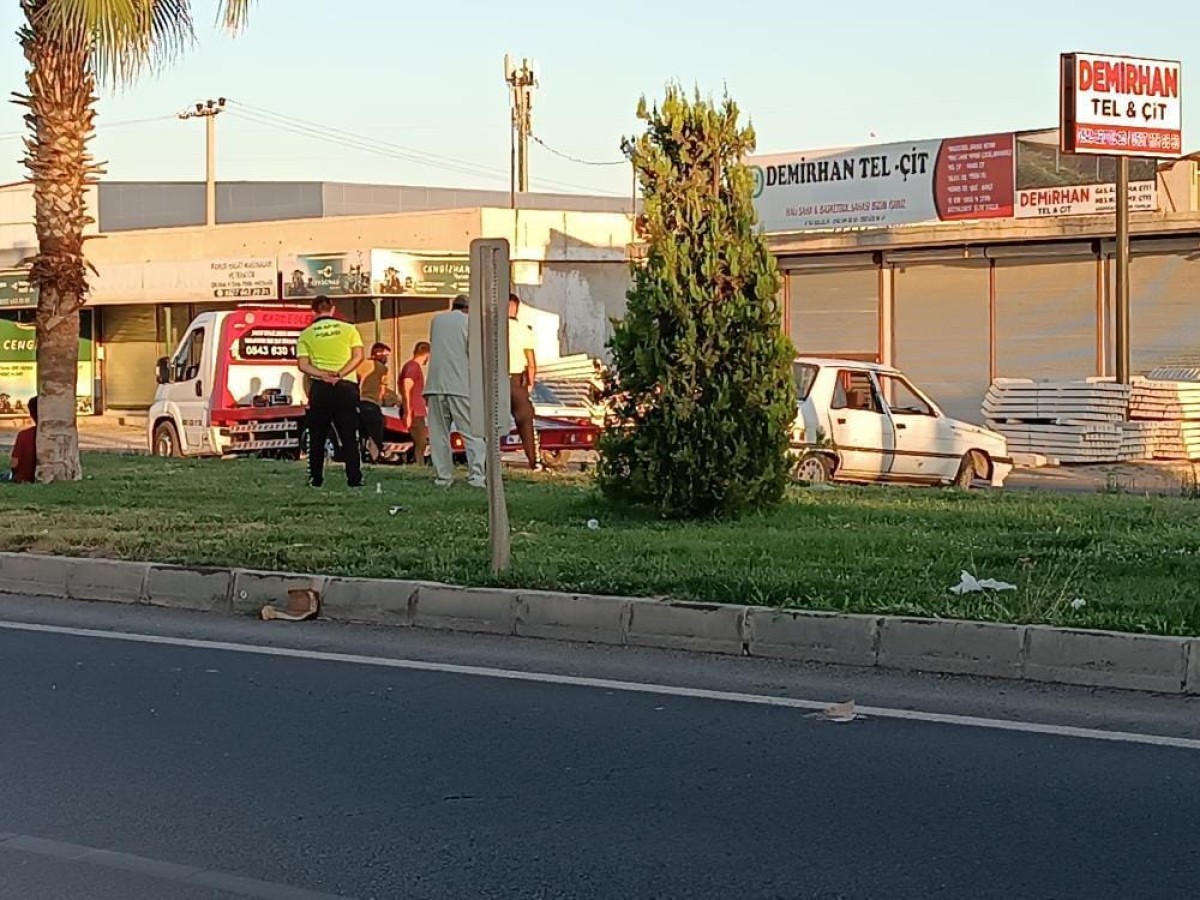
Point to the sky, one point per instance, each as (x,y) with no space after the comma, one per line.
(404,92)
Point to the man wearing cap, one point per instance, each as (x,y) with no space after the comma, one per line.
(329,352)
(448,395)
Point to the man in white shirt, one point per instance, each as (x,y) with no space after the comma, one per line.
(522,374)
(448,395)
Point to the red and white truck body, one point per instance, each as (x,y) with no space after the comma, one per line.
(232,387)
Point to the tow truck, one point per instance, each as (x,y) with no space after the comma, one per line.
(232,389)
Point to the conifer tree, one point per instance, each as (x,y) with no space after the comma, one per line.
(701,382)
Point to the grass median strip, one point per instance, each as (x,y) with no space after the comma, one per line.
(1133,562)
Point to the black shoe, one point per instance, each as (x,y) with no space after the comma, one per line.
(354,485)
(315,484)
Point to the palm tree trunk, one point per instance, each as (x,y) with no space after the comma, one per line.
(61,111)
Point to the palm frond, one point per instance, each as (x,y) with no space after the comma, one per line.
(128,36)
(124,36)
(233,14)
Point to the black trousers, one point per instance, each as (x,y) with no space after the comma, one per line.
(370,422)
(336,405)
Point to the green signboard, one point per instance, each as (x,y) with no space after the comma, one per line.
(330,274)
(18,365)
(15,290)
(396,273)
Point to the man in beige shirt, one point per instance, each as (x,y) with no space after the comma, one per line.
(522,374)
(373,390)
(447,392)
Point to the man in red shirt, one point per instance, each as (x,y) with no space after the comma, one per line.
(24,451)
(412,391)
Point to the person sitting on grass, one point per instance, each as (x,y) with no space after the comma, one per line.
(24,451)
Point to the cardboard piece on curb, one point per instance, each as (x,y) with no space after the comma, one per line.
(842,712)
(303,603)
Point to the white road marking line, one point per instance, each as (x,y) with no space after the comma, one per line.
(225,882)
(634,687)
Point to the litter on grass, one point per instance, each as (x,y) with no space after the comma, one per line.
(969,584)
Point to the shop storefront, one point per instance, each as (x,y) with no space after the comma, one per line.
(18,349)
(956,319)
(968,259)
(143,309)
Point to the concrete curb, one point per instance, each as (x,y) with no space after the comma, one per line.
(1168,665)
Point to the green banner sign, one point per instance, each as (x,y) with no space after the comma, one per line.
(18,365)
(328,274)
(395,273)
(15,290)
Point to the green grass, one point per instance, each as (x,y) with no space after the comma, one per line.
(1135,561)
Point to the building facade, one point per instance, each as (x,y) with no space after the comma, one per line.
(991,258)
(390,256)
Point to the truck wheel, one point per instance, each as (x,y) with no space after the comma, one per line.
(166,441)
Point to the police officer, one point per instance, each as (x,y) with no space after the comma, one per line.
(329,352)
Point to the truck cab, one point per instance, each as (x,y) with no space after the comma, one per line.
(232,386)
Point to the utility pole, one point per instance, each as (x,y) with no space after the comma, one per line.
(1122,298)
(522,81)
(208,111)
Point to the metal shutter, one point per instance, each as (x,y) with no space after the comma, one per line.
(941,333)
(413,323)
(361,313)
(1046,319)
(835,312)
(1164,311)
(131,349)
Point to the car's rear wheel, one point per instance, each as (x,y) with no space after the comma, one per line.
(166,441)
(973,471)
(813,468)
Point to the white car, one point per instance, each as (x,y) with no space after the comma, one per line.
(862,422)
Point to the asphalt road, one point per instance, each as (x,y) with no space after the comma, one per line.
(153,770)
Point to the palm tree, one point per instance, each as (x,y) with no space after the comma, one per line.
(71,46)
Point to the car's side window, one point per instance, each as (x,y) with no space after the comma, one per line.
(854,390)
(902,399)
(186,364)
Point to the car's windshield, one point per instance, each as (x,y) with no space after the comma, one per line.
(902,398)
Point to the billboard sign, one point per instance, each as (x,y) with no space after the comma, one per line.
(344,274)
(1121,106)
(1053,183)
(395,273)
(15,290)
(885,185)
(242,279)
(18,366)
(182,281)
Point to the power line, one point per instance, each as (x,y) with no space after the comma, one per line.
(325,128)
(576,159)
(358,144)
(342,137)
(101,126)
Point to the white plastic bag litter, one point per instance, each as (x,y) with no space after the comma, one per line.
(969,584)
